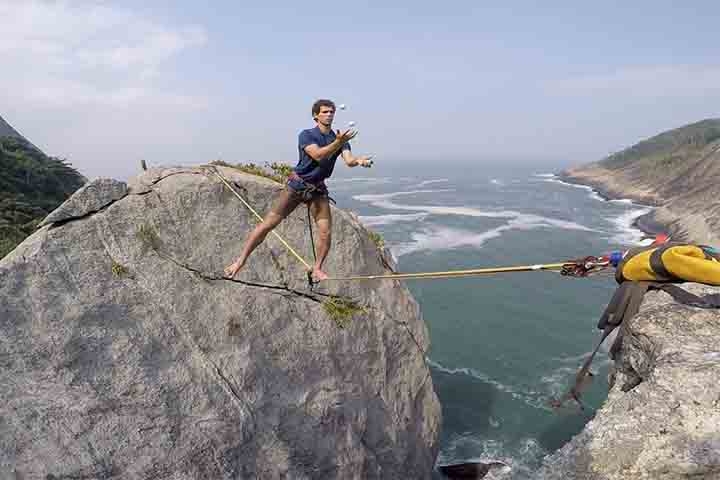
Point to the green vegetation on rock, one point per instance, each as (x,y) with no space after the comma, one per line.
(275,171)
(667,149)
(342,309)
(377,239)
(31,186)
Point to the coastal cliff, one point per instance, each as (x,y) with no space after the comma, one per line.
(662,416)
(677,171)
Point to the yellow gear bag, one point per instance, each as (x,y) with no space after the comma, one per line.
(671,262)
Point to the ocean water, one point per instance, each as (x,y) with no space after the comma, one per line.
(502,345)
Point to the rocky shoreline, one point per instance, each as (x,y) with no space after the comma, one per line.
(686,217)
(646,223)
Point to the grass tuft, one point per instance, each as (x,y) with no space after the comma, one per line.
(118,270)
(342,309)
(377,239)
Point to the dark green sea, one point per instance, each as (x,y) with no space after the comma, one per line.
(502,345)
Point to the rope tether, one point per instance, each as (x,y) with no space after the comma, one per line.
(455,273)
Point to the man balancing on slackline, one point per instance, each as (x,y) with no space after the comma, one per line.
(319,148)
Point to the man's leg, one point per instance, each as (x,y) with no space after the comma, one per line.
(320,209)
(286,203)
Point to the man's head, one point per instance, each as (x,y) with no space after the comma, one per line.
(323,112)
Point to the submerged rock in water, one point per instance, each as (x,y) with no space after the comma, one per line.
(470,470)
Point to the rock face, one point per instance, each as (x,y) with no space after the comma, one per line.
(668,426)
(125,354)
(90,198)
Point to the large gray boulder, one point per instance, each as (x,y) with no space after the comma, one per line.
(668,426)
(124,354)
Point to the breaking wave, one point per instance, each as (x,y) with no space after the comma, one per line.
(627,233)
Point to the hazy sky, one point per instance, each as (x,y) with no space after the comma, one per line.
(176,82)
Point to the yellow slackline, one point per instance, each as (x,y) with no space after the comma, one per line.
(282,240)
(454,273)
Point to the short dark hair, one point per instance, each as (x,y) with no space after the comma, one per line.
(321,103)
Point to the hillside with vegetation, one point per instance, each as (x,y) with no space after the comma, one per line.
(32,185)
(678,171)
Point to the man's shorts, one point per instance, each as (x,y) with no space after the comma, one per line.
(307,191)
(297,191)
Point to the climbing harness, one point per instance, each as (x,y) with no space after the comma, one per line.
(308,191)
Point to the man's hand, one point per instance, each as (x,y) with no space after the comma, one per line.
(365,161)
(346,136)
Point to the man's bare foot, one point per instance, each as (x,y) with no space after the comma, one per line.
(319,275)
(231,270)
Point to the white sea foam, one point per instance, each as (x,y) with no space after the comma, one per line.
(376,220)
(333,181)
(627,234)
(521,221)
(595,196)
(531,398)
(442,238)
(592,193)
(556,382)
(378,198)
(574,185)
(429,182)
(446,238)
(625,201)
(544,175)
(497,182)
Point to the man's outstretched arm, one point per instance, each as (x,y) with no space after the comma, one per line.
(353,161)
